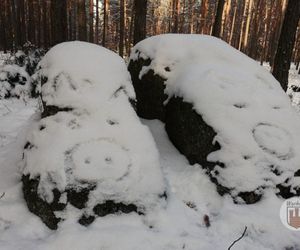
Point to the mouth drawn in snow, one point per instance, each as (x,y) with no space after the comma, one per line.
(102,161)
(273,140)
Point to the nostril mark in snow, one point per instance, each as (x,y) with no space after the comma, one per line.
(87,160)
(108,160)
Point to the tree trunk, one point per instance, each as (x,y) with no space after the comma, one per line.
(31,24)
(105,21)
(285,47)
(3,40)
(91,21)
(97,23)
(59,21)
(81,14)
(140,10)
(176,13)
(46,38)
(216,31)
(122,28)
(16,27)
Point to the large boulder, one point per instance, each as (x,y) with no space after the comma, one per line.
(221,110)
(89,150)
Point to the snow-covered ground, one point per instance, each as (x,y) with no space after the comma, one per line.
(180,226)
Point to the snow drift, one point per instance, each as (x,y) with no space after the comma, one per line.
(89,149)
(221,110)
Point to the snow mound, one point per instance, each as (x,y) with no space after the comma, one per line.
(89,149)
(254,131)
(14,82)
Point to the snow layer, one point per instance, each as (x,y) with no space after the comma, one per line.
(99,140)
(256,126)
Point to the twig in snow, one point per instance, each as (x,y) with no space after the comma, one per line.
(238,238)
(8,109)
(2,195)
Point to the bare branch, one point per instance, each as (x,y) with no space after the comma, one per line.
(238,238)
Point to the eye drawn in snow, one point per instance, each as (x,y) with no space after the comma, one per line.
(273,140)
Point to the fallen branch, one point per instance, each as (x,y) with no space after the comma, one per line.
(238,239)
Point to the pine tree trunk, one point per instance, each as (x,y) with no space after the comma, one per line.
(284,51)
(91,21)
(105,21)
(176,13)
(46,37)
(31,24)
(59,21)
(216,31)
(81,14)
(3,40)
(122,28)
(16,27)
(97,23)
(140,10)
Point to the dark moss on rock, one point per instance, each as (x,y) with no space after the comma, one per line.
(149,90)
(189,133)
(285,191)
(79,198)
(250,197)
(86,220)
(39,206)
(112,207)
(49,110)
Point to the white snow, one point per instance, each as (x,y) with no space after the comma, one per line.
(255,123)
(176,227)
(101,141)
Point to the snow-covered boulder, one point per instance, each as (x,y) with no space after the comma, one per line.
(89,150)
(14,82)
(221,110)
